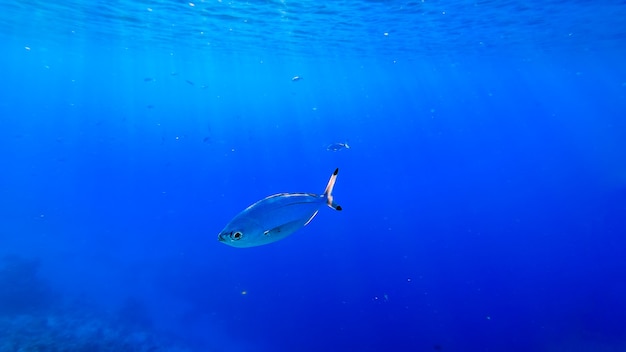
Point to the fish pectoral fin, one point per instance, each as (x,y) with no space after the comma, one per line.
(311,218)
(272,231)
(289,227)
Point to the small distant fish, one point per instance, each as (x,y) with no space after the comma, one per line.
(276,217)
(335,147)
(190,82)
(296,78)
(148,79)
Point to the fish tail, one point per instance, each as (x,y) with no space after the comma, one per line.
(328,192)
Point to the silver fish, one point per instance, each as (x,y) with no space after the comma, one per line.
(276,217)
(337,147)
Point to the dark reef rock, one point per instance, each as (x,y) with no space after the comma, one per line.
(21,288)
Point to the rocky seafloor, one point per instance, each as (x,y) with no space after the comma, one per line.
(35,318)
(56,333)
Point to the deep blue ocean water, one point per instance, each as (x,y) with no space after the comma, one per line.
(484,193)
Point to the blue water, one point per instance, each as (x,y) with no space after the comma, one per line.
(484,193)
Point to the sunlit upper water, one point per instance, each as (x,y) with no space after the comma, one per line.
(402,28)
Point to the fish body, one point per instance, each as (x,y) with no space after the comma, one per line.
(276,217)
(337,147)
(296,78)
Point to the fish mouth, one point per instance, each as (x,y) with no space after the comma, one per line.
(220,238)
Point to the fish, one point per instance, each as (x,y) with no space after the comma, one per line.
(275,217)
(337,147)
(296,78)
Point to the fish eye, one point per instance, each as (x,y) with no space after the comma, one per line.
(236,235)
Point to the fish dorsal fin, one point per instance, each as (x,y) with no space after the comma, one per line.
(328,192)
